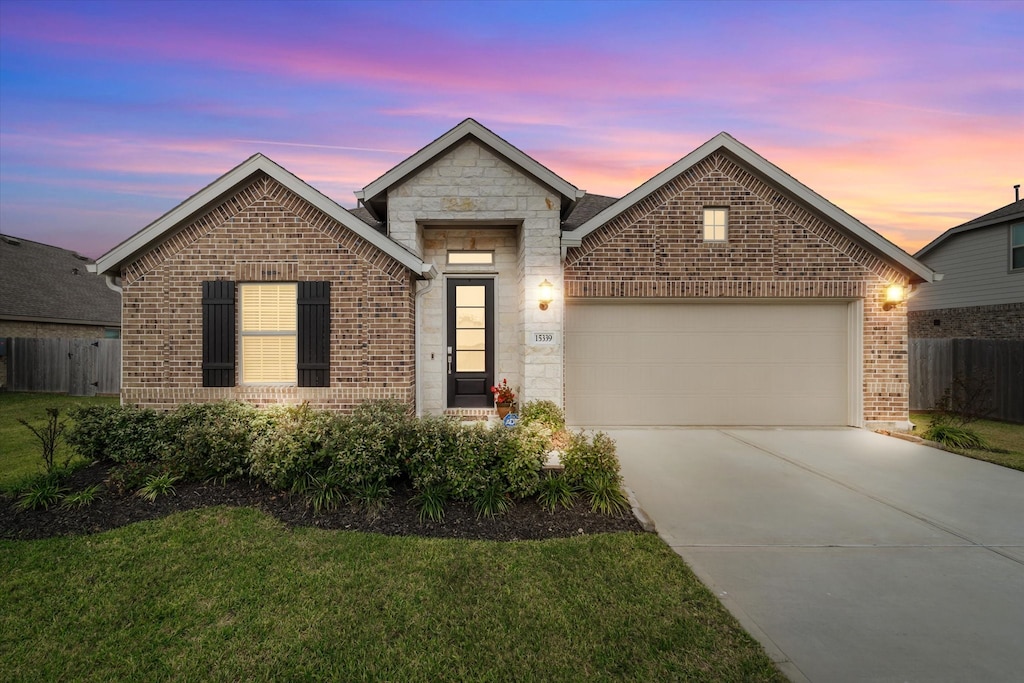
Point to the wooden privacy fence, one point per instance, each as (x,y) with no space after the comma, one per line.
(996,363)
(80,367)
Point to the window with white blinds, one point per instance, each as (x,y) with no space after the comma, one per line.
(269,333)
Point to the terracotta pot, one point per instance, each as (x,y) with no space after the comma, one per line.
(503,409)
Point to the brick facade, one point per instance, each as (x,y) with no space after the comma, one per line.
(1001,321)
(263,232)
(775,249)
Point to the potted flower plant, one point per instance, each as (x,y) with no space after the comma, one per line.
(504,398)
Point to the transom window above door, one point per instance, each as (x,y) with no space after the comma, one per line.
(470,258)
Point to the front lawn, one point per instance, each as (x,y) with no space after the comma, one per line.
(19,448)
(231,594)
(1007,439)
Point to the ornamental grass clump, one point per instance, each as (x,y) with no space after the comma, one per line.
(554,492)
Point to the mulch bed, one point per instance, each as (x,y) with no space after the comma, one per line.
(525,521)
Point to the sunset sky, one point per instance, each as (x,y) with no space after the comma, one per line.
(909,116)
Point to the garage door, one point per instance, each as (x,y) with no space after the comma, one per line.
(706,364)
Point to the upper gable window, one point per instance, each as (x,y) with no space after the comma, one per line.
(716,224)
(1017,247)
(471,258)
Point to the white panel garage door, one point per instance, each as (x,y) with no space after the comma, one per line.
(706,364)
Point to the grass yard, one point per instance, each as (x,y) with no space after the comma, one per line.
(19,448)
(1003,436)
(231,594)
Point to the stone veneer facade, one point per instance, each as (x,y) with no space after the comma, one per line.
(999,321)
(471,198)
(775,249)
(263,232)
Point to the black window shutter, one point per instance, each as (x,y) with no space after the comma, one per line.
(218,333)
(314,334)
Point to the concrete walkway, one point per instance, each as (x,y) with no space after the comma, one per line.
(849,555)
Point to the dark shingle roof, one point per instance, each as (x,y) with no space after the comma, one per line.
(45,283)
(364,215)
(587,206)
(1010,212)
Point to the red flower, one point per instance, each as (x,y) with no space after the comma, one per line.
(503,392)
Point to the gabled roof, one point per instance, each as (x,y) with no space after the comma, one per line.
(131,248)
(42,283)
(374,195)
(1011,212)
(724,141)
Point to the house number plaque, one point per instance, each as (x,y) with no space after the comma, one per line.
(543,339)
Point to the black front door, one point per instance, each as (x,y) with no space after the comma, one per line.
(470,343)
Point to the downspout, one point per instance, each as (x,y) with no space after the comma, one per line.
(416,342)
(113,285)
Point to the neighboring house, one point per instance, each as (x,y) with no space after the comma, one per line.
(47,292)
(982,293)
(720,292)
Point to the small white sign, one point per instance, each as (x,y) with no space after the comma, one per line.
(543,339)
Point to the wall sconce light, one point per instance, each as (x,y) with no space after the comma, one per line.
(894,296)
(546,294)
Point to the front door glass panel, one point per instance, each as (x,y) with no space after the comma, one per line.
(470,342)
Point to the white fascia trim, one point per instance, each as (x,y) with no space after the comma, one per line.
(773,173)
(154,231)
(467,128)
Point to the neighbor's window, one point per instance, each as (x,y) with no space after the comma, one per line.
(1017,247)
(471,258)
(269,333)
(715,224)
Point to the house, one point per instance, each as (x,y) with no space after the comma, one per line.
(47,292)
(982,293)
(967,329)
(720,292)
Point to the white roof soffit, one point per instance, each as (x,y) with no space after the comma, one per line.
(468,128)
(787,182)
(140,241)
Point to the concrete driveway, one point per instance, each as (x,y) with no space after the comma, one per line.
(849,555)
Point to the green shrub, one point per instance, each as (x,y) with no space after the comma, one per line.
(119,433)
(585,457)
(555,491)
(210,439)
(433,452)
(955,437)
(89,434)
(520,454)
(130,476)
(366,447)
(546,413)
(289,443)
